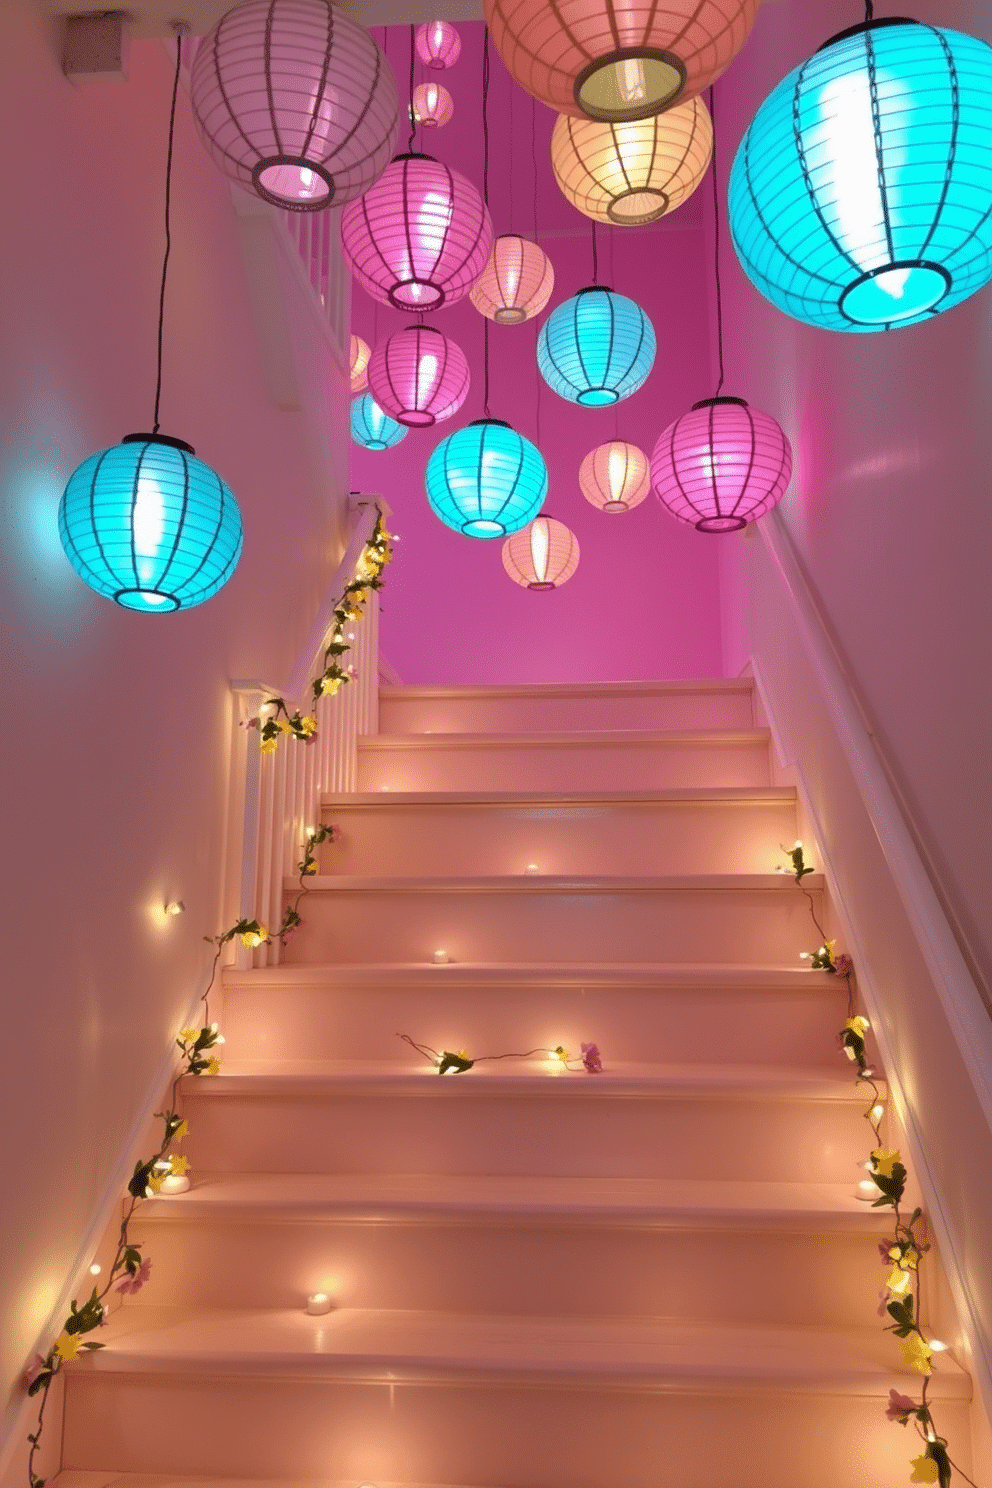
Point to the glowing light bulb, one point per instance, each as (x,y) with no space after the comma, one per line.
(174,1183)
(441,958)
(533,868)
(177,907)
(877,1112)
(937,1346)
(318,1303)
(95,1269)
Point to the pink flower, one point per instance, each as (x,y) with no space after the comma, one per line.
(843,965)
(591,1058)
(33,1370)
(840,1043)
(884,1246)
(251,723)
(883,1302)
(131,1284)
(899,1406)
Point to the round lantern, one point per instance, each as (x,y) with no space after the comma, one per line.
(418,376)
(371,428)
(861,195)
(420,237)
(616,61)
(634,172)
(486,480)
(431,105)
(360,353)
(542,555)
(596,348)
(516,283)
(615,477)
(295,100)
(721,465)
(438,44)
(149,526)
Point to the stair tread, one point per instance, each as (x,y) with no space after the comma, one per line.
(665,687)
(572,738)
(698,1202)
(554,883)
(546,974)
(774,794)
(389,1343)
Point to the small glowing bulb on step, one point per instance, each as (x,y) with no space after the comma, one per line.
(311,831)
(177,907)
(318,1303)
(804,955)
(95,1269)
(797,843)
(877,1112)
(937,1346)
(174,1183)
(533,868)
(867,1191)
(441,958)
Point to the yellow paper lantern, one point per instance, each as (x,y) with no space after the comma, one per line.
(633,172)
(360,353)
(542,555)
(615,476)
(516,283)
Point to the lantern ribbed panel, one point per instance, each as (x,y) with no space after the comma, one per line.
(295,100)
(371,428)
(438,44)
(860,197)
(516,283)
(634,172)
(150,526)
(609,60)
(615,476)
(597,348)
(432,105)
(418,376)
(721,465)
(420,238)
(543,555)
(486,480)
(360,353)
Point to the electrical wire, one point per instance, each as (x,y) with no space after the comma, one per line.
(716,240)
(168,224)
(595,255)
(485,198)
(413,115)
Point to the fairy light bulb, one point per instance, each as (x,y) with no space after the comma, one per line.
(95,1269)
(877,1112)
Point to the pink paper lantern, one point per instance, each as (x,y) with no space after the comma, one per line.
(418,376)
(420,237)
(615,477)
(516,283)
(721,466)
(543,555)
(432,105)
(360,352)
(295,100)
(438,45)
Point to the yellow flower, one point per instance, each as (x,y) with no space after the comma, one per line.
(308,724)
(884,1160)
(310,866)
(857,1024)
(213,1067)
(899,1281)
(925,1470)
(562,1054)
(154,1183)
(180,1165)
(329,686)
(182,1130)
(284,726)
(916,1353)
(269,746)
(189,1035)
(67,1347)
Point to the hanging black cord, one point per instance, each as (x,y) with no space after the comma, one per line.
(533,155)
(595,255)
(869,11)
(168,226)
(716,242)
(413,113)
(485,197)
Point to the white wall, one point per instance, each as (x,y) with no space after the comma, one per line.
(114,736)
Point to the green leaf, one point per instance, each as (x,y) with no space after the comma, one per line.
(454,1062)
(44,1378)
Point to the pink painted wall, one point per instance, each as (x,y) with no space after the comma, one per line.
(889,506)
(115,734)
(644,602)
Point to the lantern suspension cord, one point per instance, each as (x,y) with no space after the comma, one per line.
(716,242)
(485,197)
(533,154)
(869,11)
(595,255)
(413,115)
(538,379)
(179,29)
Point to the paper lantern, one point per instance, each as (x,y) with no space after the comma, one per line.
(432,105)
(149,526)
(633,172)
(360,352)
(860,198)
(420,237)
(615,61)
(418,376)
(371,428)
(294,99)
(486,480)
(516,283)
(721,465)
(438,44)
(542,555)
(597,348)
(615,477)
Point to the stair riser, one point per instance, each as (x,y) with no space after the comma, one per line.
(579,1133)
(630,1025)
(683,837)
(415,713)
(726,926)
(539,1438)
(501,1267)
(537,766)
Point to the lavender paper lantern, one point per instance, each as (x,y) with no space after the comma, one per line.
(721,465)
(295,100)
(438,45)
(418,376)
(420,237)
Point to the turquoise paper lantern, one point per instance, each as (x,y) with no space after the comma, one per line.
(149,526)
(597,348)
(860,197)
(371,428)
(486,480)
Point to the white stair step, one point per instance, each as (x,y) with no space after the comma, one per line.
(757,918)
(722,830)
(568,762)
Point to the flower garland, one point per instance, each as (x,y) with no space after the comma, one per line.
(280,722)
(901,1296)
(446,1062)
(130,1269)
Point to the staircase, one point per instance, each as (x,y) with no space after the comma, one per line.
(659,1274)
